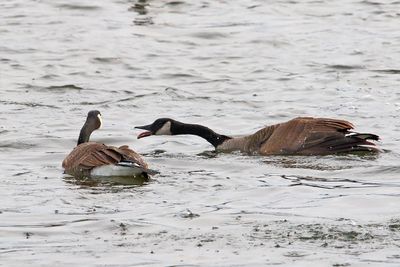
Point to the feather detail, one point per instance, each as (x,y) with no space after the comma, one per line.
(316,136)
(87,156)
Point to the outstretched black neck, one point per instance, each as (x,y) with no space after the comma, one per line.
(199,130)
(84,135)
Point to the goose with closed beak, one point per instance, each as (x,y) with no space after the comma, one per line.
(299,136)
(92,159)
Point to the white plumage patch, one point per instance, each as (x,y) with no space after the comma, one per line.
(100,119)
(115,170)
(371,148)
(165,130)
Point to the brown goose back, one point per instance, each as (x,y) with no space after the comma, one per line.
(86,156)
(312,136)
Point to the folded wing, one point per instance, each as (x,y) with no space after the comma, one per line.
(87,156)
(317,136)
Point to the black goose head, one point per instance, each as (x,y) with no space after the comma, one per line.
(92,123)
(162,126)
(94,120)
(165,126)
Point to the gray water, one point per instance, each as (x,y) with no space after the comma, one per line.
(234,66)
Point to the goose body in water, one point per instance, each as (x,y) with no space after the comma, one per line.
(299,136)
(92,159)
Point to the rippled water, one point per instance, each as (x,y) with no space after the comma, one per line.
(234,66)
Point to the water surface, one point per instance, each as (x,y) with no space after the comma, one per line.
(234,66)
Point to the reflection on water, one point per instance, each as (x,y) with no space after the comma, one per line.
(324,163)
(331,183)
(140,7)
(234,66)
(106,181)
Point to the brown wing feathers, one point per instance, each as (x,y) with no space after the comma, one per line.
(256,140)
(333,136)
(101,156)
(332,123)
(316,136)
(130,155)
(89,155)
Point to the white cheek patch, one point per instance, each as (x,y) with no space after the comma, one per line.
(101,121)
(165,130)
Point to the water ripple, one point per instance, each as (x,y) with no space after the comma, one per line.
(79,7)
(28,104)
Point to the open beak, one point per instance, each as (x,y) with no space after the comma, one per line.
(146,133)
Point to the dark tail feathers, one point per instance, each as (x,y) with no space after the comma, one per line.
(363,136)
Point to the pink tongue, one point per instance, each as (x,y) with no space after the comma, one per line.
(144,134)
